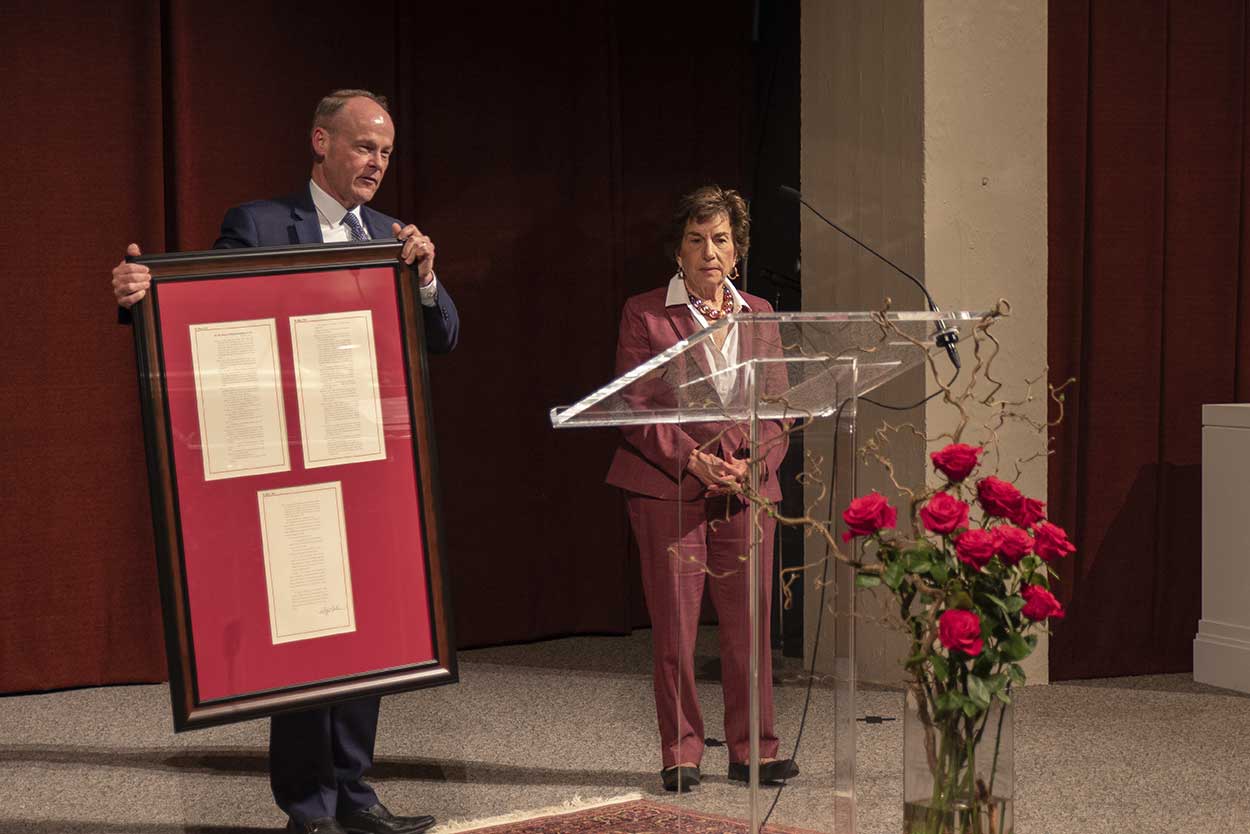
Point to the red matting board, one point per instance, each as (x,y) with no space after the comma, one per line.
(221,530)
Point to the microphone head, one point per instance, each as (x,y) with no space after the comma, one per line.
(792,193)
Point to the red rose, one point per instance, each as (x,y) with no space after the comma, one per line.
(998,497)
(956,461)
(1011,543)
(960,631)
(944,514)
(975,547)
(1040,604)
(867,515)
(1028,513)
(1051,542)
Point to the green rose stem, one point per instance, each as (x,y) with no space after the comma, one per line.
(998,740)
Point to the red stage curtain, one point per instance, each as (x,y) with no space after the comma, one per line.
(541,146)
(1148,288)
(82,170)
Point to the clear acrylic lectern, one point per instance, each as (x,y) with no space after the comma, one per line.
(753,380)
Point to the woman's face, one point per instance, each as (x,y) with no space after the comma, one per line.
(707,252)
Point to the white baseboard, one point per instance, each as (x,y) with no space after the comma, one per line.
(1222,655)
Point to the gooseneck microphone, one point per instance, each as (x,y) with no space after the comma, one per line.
(946,336)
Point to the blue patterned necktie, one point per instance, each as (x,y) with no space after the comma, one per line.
(352,223)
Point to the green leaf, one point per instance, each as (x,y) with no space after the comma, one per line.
(892,576)
(941,669)
(960,599)
(971,710)
(996,601)
(1017,648)
(1016,673)
(947,703)
(1003,696)
(940,572)
(979,691)
(917,561)
(1015,605)
(867,580)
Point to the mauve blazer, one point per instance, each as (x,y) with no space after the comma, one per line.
(648,458)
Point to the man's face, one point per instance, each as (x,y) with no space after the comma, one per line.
(356,148)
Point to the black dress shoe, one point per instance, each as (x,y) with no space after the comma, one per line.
(378,820)
(321,825)
(770,772)
(681,779)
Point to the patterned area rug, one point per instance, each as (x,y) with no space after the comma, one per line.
(639,816)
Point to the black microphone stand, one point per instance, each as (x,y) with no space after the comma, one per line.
(947,336)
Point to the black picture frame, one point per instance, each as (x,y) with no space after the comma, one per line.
(190,711)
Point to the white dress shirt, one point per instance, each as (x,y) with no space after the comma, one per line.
(330,214)
(724,357)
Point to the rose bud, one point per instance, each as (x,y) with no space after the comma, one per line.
(998,497)
(1028,513)
(944,514)
(960,631)
(1012,544)
(1051,542)
(956,461)
(868,515)
(1040,604)
(975,547)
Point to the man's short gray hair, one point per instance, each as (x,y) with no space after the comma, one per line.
(333,103)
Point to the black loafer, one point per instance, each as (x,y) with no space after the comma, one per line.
(770,772)
(321,825)
(681,779)
(378,820)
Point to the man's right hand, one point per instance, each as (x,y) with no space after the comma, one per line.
(130,281)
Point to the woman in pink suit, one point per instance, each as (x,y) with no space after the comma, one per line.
(708,540)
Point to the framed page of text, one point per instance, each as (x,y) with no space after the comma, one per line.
(293,479)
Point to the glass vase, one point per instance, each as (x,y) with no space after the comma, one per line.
(958,772)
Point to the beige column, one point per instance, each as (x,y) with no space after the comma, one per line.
(924,133)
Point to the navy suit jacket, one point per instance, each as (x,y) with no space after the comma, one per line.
(291,221)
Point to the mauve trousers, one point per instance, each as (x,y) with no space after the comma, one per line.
(714,536)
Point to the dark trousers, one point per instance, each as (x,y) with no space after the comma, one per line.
(318,758)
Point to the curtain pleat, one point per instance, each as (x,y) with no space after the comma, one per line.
(1147,106)
(82,176)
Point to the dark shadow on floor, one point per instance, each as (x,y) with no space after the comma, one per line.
(257,763)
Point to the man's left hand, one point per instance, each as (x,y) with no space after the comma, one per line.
(418,251)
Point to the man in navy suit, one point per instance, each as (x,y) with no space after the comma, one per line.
(318,757)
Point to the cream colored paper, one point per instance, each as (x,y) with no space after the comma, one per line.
(336,380)
(238,391)
(307,571)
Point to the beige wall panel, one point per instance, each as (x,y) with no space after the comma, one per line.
(985,198)
(924,133)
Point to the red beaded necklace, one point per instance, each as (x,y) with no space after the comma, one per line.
(707,310)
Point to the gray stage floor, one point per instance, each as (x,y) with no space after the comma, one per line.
(546,724)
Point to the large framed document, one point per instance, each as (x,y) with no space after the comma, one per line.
(291,460)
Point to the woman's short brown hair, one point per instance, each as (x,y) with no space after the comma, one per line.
(702,205)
